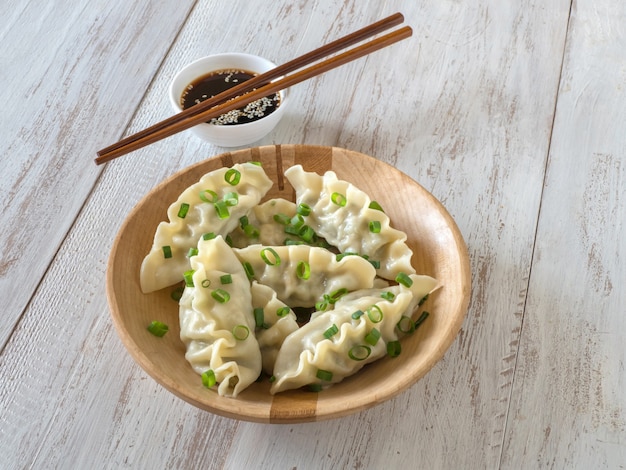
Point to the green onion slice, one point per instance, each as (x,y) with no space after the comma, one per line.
(222,209)
(394,348)
(388,295)
(289,241)
(325,375)
(321,305)
(251,231)
(336,295)
(167,251)
(372,337)
(375,263)
(375,314)
(374,226)
(206,283)
(241,332)
(232,177)
(273,259)
(243,221)
(422,300)
(341,256)
(297,221)
(192,252)
(303,270)
(303,209)
(247,267)
(231,199)
(331,331)
(226,279)
(177,293)
(315,387)
(209,196)
(358,314)
(283,312)
(306,233)
(184,208)
(374,205)
(208,236)
(360,352)
(157,328)
(339,199)
(405,325)
(421,319)
(188,277)
(282,219)
(259,317)
(220,295)
(404,279)
(208,378)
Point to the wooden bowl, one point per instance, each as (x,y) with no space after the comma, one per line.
(438,250)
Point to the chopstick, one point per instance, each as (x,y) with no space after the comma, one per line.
(218,105)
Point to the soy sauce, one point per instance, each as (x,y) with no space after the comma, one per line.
(215,83)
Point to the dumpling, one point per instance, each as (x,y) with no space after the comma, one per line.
(216,321)
(339,342)
(261,226)
(212,205)
(341,213)
(274,322)
(301,275)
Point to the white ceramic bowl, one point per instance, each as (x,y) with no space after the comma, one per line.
(232,135)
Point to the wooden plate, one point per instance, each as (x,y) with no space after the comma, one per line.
(438,250)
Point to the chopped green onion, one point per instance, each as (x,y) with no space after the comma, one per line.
(208,378)
(255,163)
(405,325)
(421,319)
(322,305)
(206,283)
(226,279)
(208,236)
(336,295)
(341,256)
(231,199)
(222,209)
(375,314)
(177,293)
(339,199)
(188,277)
(330,332)
(376,206)
(315,387)
(228,240)
(184,208)
(303,209)
(243,221)
(282,219)
(167,251)
(209,196)
(388,295)
(376,264)
(192,252)
(306,233)
(360,352)
(273,260)
(358,314)
(241,332)
(282,312)
(247,267)
(272,378)
(291,230)
(297,221)
(303,270)
(325,375)
(404,279)
(422,300)
(157,328)
(259,317)
(232,177)
(220,295)
(372,337)
(289,241)
(374,226)
(394,348)
(251,231)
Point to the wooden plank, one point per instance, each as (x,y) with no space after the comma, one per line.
(568,403)
(77,71)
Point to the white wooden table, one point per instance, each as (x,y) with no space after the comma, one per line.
(512,113)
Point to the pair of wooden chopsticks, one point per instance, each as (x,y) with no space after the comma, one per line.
(261,85)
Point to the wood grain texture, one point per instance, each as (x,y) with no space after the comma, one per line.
(73,75)
(569,401)
(470,118)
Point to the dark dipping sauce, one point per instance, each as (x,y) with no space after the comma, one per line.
(215,83)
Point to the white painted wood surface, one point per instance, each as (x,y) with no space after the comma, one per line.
(511,112)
